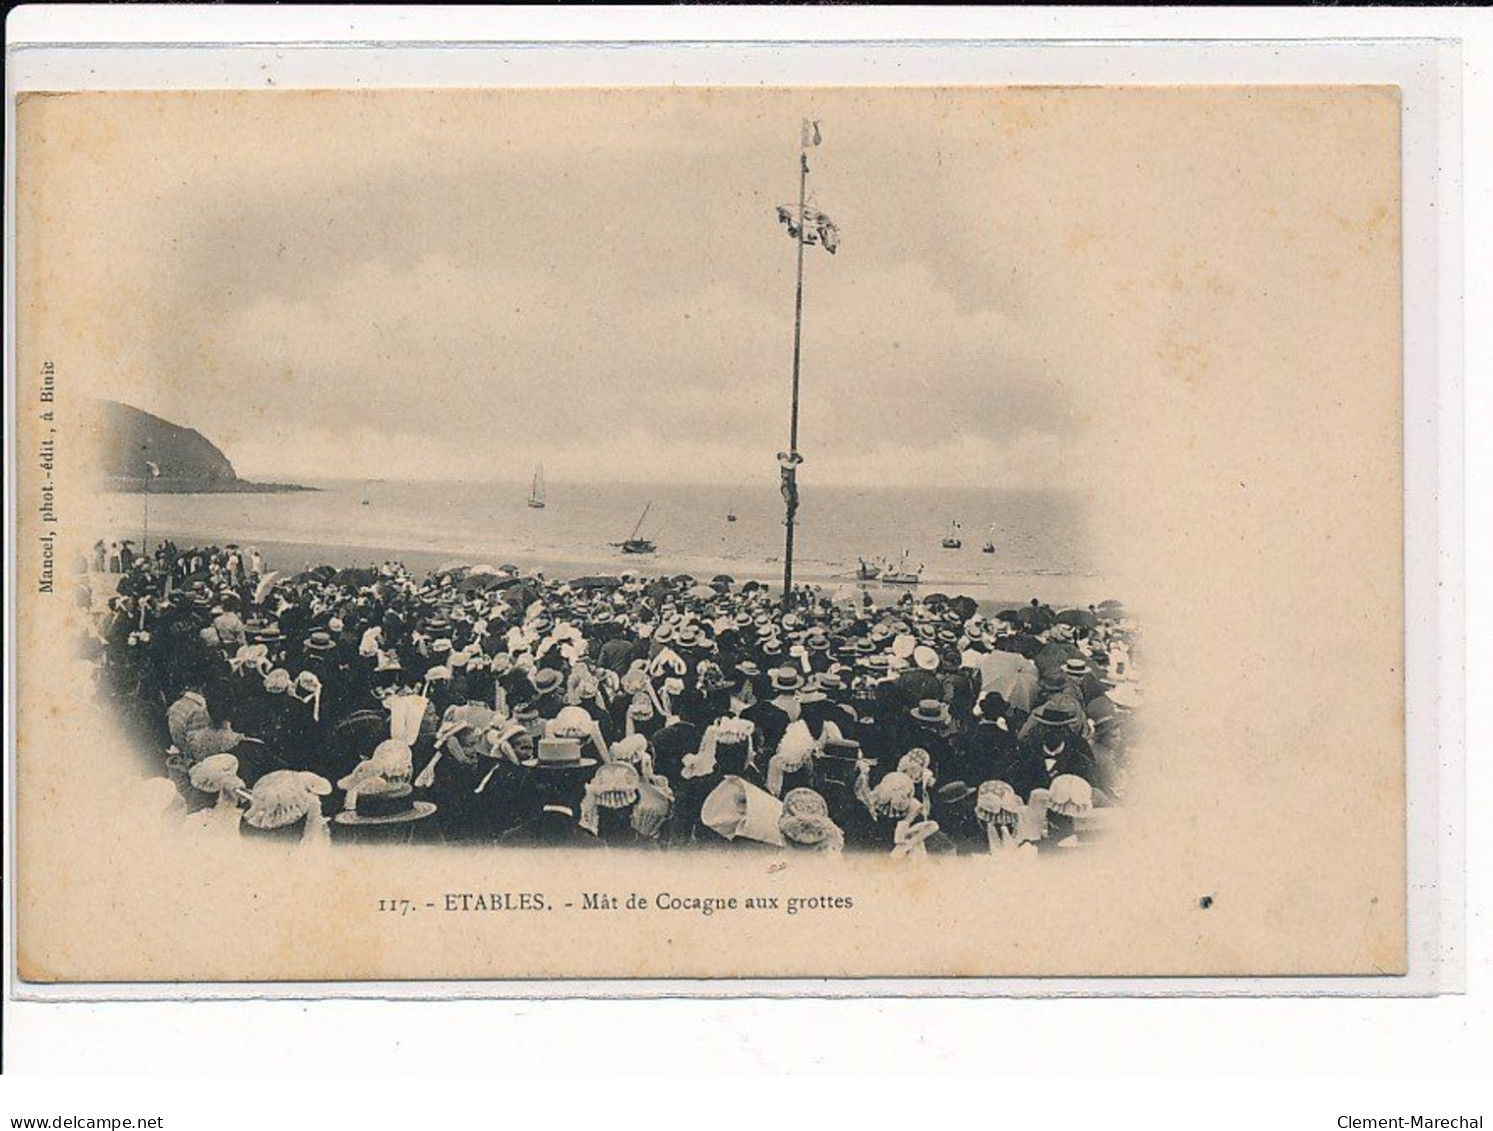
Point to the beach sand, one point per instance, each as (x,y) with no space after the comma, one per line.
(294,556)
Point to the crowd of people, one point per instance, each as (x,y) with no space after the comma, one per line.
(481,706)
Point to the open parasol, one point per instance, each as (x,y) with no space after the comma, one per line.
(267,583)
(1078,618)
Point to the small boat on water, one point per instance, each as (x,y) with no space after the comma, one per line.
(989,546)
(885,573)
(951,540)
(632,544)
(536,490)
(731,514)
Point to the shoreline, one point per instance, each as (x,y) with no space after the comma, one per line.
(118,486)
(293,556)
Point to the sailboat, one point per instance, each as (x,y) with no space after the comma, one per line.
(536,491)
(951,540)
(633,544)
(989,546)
(731,514)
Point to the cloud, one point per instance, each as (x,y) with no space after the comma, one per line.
(597,280)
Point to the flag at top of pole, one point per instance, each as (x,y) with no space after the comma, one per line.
(807,227)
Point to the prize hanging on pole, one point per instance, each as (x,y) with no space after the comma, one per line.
(809,228)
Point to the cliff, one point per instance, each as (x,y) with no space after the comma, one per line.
(189,463)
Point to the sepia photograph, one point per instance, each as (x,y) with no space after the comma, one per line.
(837,532)
(655,639)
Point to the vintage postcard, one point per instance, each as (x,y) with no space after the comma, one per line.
(899,532)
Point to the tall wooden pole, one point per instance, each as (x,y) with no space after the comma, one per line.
(790,473)
(145,521)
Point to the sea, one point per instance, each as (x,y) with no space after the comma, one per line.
(1041,537)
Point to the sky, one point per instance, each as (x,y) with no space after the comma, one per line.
(464,284)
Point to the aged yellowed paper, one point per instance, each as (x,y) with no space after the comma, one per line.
(571,358)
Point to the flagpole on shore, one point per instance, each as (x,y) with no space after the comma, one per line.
(790,466)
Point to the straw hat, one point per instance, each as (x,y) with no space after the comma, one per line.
(931,711)
(558,754)
(382,803)
(786,679)
(547,680)
(320,641)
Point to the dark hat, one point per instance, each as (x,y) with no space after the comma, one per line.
(390,806)
(954,792)
(1059,711)
(1053,680)
(992,705)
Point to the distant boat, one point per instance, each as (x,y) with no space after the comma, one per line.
(633,544)
(365,502)
(951,540)
(902,575)
(536,491)
(989,546)
(731,514)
